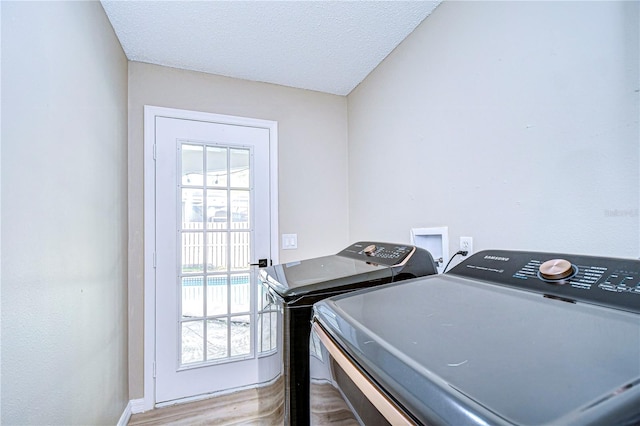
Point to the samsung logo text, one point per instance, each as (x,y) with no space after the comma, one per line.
(502,259)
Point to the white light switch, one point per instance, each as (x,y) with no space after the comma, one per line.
(289,241)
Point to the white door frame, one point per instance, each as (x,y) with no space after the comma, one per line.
(150,114)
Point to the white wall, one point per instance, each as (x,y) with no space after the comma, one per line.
(515,123)
(64,213)
(312,165)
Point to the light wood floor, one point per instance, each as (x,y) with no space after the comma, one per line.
(260,407)
(329,408)
(263,406)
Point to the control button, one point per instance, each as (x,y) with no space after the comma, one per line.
(556,269)
(369,250)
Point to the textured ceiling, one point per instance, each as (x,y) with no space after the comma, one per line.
(328,46)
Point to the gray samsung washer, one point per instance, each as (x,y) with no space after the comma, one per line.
(495,342)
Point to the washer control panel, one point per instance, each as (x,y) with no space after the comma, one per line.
(387,254)
(603,281)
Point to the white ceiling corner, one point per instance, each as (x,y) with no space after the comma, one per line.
(327,46)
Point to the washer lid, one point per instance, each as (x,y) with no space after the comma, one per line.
(454,351)
(322,275)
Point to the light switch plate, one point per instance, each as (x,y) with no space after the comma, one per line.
(289,241)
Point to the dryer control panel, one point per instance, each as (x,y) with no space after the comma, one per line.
(603,281)
(387,254)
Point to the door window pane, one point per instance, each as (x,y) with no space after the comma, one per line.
(239,168)
(240,293)
(217,338)
(192,252)
(267,331)
(240,250)
(217,166)
(192,342)
(217,291)
(192,297)
(239,209)
(240,335)
(217,209)
(267,321)
(192,164)
(192,208)
(217,252)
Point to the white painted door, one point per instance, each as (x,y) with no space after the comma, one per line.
(214,330)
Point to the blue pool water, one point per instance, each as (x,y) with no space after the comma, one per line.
(215,280)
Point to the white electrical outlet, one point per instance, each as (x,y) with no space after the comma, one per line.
(466,244)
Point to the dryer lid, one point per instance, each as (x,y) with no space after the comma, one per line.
(324,274)
(455,350)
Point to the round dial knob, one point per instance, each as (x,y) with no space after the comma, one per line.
(556,269)
(368,250)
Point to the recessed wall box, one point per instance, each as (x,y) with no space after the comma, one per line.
(435,240)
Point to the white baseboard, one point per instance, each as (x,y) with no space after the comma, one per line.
(126,415)
(134,406)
